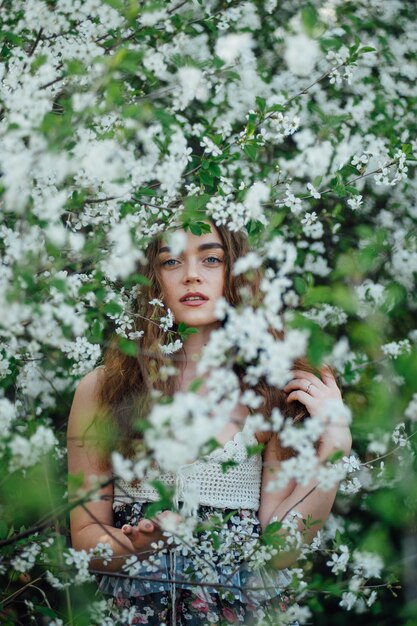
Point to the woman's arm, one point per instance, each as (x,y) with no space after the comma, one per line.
(92,523)
(308,500)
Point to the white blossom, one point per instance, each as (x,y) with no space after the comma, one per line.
(249,262)
(301,54)
(26,452)
(399,435)
(314,192)
(229,47)
(167,321)
(368,564)
(123,468)
(411,410)
(176,242)
(7,416)
(348,600)
(395,348)
(355,202)
(171,348)
(339,562)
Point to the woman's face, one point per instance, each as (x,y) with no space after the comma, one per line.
(193,281)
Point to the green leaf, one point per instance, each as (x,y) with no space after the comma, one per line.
(272,528)
(352,190)
(12,38)
(3,529)
(276,107)
(140,279)
(315,605)
(336,456)
(96,331)
(277,218)
(338,186)
(299,285)
(309,19)
(195,385)
(317,295)
(271,535)
(75,481)
(145,191)
(320,345)
(185,330)
(75,67)
(206,178)
(197,228)
(215,170)
(310,522)
(40,60)
(45,610)
(130,348)
(60,285)
(228,465)
(331,43)
(251,126)
(366,49)
(250,149)
(196,203)
(261,102)
(165,502)
(113,308)
(255,449)
(156,507)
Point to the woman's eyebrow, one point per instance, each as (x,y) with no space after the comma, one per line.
(204,246)
(210,245)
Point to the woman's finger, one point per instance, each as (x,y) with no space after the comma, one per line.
(146,526)
(308,376)
(301,396)
(327,375)
(303,384)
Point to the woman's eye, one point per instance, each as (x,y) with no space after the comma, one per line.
(213,259)
(169,262)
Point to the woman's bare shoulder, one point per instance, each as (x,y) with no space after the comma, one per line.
(89,385)
(86,402)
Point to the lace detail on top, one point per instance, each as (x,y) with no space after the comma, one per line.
(236,488)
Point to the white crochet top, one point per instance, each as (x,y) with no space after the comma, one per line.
(236,488)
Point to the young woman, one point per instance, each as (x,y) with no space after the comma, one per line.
(173,586)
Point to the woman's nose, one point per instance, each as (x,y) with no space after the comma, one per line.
(191,273)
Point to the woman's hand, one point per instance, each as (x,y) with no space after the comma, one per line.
(142,535)
(148,531)
(315,393)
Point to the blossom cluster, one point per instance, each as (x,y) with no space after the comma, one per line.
(122,121)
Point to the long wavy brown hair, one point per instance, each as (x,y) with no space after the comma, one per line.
(128,382)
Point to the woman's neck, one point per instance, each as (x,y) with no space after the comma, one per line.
(193,347)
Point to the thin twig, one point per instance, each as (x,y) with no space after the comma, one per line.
(21,590)
(35,43)
(298,502)
(384,456)
(98,200)
(176,7)
(61,561)
(48,518)
(52,82)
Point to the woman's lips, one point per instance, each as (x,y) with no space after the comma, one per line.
(193,299)
(193,302)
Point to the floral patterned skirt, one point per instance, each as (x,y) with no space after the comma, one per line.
(216,575)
